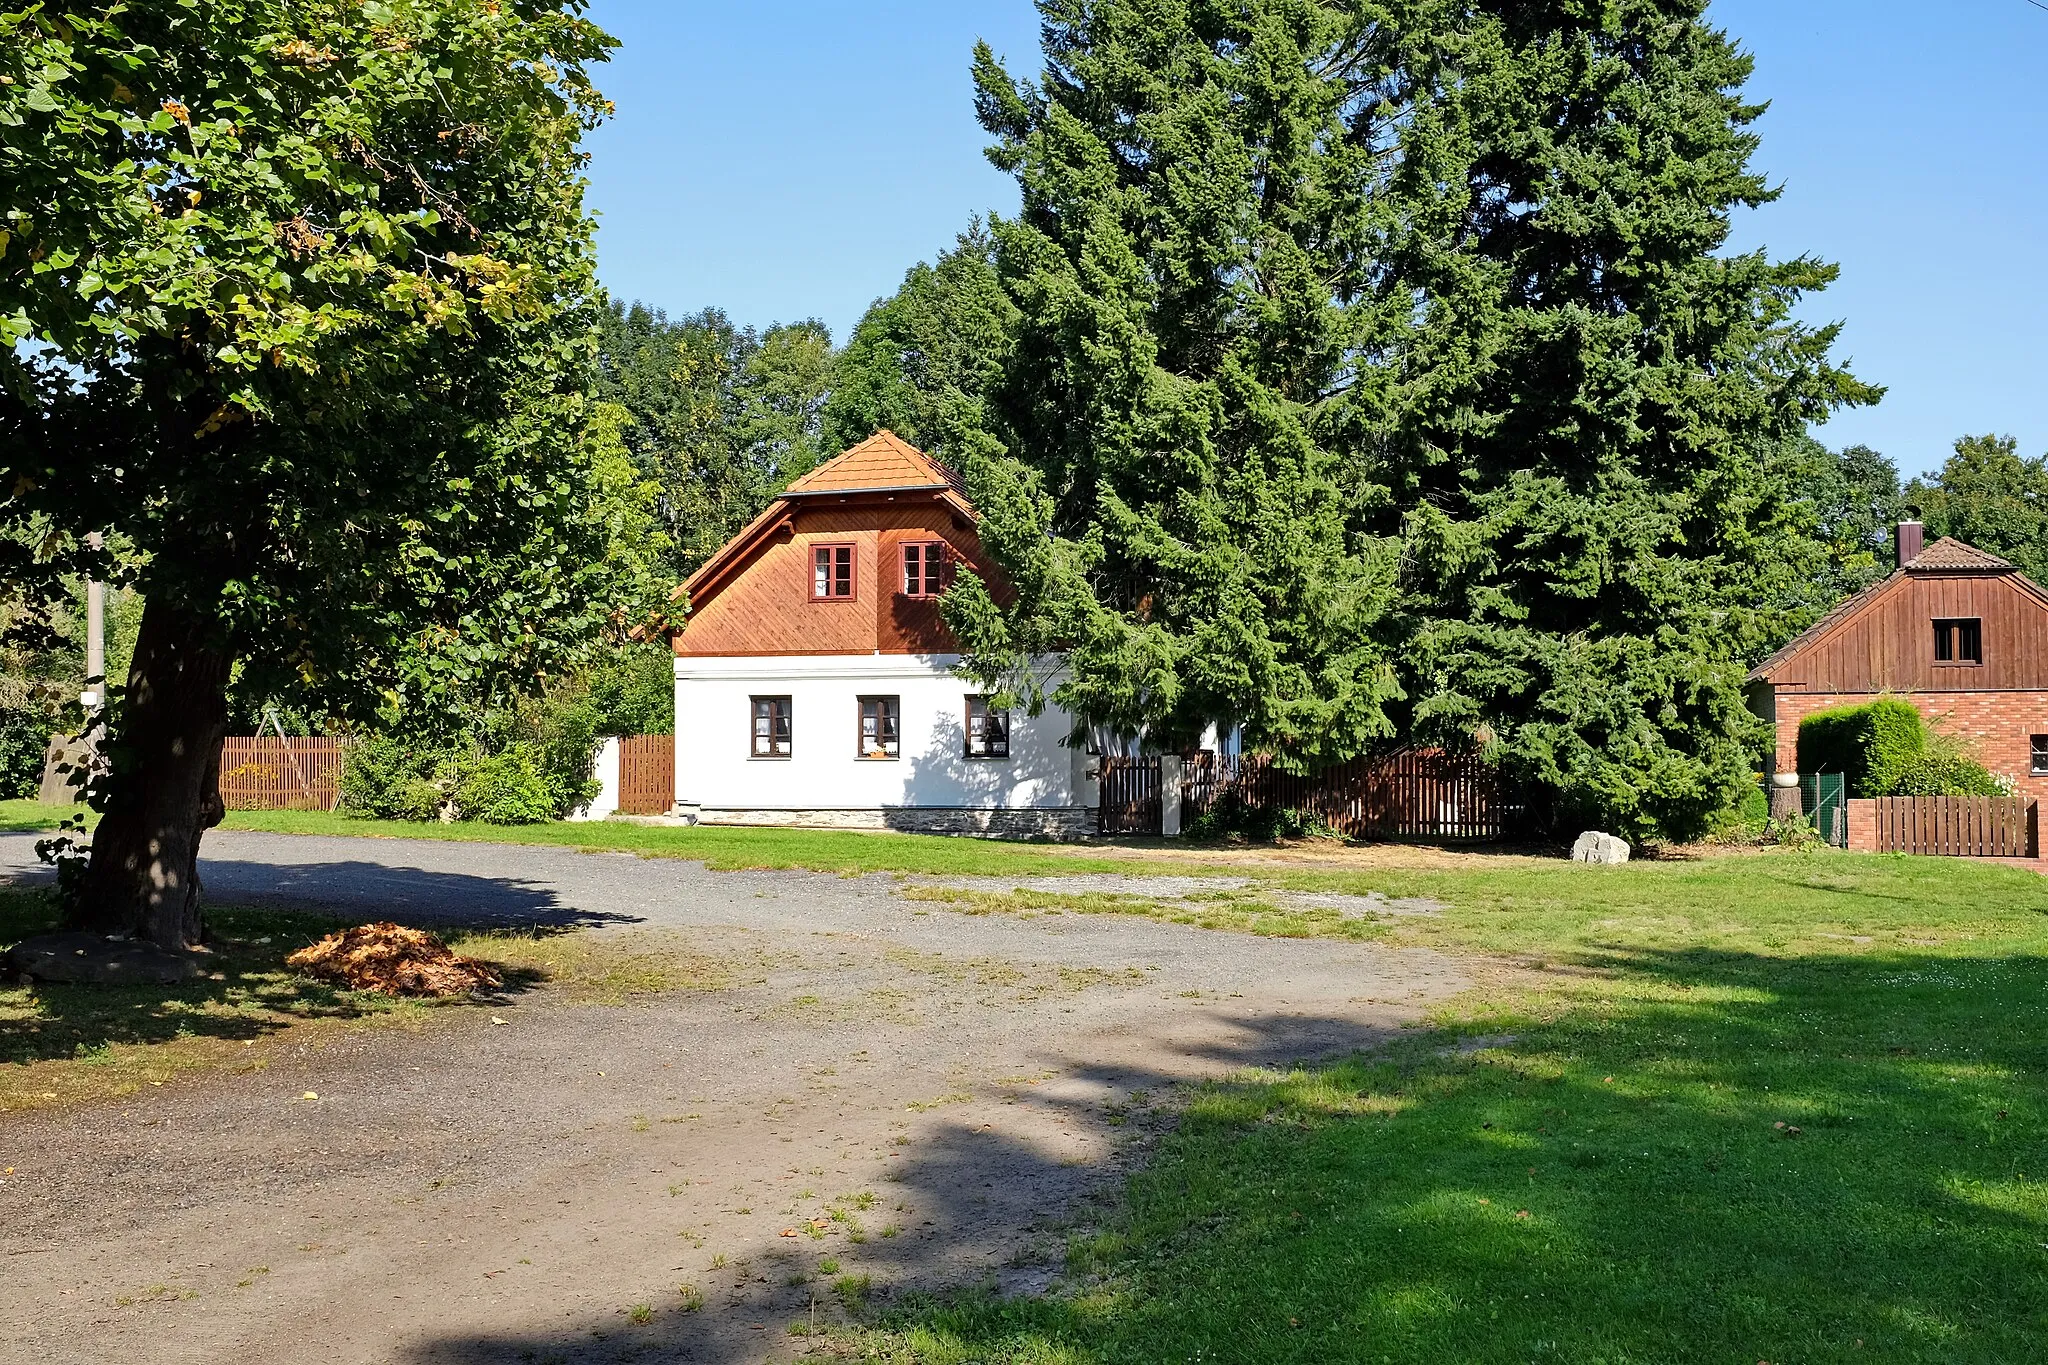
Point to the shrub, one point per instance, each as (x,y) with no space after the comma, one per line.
(1885,749)
(1945,768)
(24,743)
(387,778)
(508,788)
(1871,744)
(1742,821)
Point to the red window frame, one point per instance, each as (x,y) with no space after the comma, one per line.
(988,730)
(835,572)
(925,565)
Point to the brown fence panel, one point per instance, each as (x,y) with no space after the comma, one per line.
(267,773)
(1958,826)
(1410,794)
(647,774)
(1129,801)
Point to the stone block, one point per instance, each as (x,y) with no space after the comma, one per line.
(1595,847)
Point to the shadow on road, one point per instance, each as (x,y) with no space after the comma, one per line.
(988,1208)
(410,895)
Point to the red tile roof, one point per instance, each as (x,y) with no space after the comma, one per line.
(883,460)
(1949,554)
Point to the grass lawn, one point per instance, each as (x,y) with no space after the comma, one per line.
(1784,1109)
(722,847)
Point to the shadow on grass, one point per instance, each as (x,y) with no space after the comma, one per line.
(248,993)
(1709,1157)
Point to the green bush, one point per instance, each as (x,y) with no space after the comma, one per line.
(388,778)
(1945,770)
(1742,821)
(1871,744)
(24,742)
(509,788)
(1885,749)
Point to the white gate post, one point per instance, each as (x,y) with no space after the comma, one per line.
(1170,768)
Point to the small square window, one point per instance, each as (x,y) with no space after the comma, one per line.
(771,727)
(831,572)
(988,730)
(1959,640)
(878,727)
(924,566)
(2038,744)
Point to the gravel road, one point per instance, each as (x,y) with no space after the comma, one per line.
(961,1088)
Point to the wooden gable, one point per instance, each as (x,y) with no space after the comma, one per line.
(754,596)
(1883,638)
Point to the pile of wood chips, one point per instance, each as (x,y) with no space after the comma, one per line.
(395,960)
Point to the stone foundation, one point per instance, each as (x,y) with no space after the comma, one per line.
(1068,822)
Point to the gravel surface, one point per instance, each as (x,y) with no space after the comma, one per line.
(966,1087)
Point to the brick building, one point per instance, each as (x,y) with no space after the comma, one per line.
(1961,634)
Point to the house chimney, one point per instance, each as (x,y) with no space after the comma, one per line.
(1912,536)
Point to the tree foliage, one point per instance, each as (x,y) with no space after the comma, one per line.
(1380,369)
(722,418)
(923,362)
(1990,495)
(297,298)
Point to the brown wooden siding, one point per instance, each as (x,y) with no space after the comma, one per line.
(764,606)
(1888,646)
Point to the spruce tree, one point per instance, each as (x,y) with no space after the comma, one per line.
(1379,374)
(1161,472)
(1587,451)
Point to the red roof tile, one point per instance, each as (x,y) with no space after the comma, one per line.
(883,460)
(1950,553)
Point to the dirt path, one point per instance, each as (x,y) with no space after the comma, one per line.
(921,1096)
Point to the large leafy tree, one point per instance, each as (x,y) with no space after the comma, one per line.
(296,297)
(1587,450)
(723,416)
(1990,495)
(1168,470)
(924,361)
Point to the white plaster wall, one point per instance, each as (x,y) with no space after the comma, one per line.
(714,720)
(606,771)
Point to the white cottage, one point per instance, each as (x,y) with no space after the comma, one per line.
(815,679)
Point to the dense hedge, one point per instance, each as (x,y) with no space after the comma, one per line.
(1883,748)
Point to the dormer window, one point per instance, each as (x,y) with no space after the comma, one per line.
(1959,640)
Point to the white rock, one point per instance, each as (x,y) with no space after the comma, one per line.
(1595,847)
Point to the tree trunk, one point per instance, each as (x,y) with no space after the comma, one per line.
(163,784)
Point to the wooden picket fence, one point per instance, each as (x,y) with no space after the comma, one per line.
(647,774)
(1958,826)
(1408,794)
(1128,798)
(267,773)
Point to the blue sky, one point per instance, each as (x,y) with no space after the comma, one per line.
(792,159)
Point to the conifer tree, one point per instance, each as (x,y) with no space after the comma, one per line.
(1379,374)
(1165,473)
(1587,452)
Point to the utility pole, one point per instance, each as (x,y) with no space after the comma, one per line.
(95,697)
